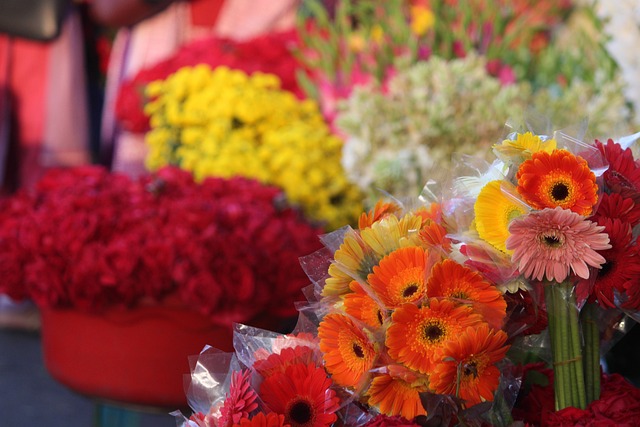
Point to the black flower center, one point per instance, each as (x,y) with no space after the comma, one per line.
(301,412)
(470,369)
(605,268)
(433,332)
(560,191)
(357,350)
(552,240)
(410,290)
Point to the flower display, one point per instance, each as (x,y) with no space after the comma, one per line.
(269,53)
(89,239)
(223,122)
(440,77)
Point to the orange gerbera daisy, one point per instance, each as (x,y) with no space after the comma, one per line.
(303,395)
(558,179)
(434,234)
(394,396)
(381,210)
(400,277)
(417,334)
(352,260)
(451,280)
(348,353)
(360,305)
(473,355)
(261,420)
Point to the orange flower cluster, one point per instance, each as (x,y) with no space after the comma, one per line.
(406,318)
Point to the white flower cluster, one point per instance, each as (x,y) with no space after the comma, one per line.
(621,20)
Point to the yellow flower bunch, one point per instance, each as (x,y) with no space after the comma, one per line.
(225,123)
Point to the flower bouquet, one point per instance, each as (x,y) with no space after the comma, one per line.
(424,313)
(132,276)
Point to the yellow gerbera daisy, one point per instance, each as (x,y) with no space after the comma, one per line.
(494,210)
(354,259)
(523,147)
(388,234)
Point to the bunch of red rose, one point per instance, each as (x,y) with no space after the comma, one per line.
(619,403)
(271,53)
(90,239)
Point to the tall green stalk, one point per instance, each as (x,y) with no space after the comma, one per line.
(591,334)
(566,349)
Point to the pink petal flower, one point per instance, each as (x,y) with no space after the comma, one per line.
(552,243)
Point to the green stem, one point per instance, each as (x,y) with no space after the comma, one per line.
(591,334)
(576,366)
(565,345)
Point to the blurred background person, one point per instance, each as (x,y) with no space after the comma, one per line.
(154,30)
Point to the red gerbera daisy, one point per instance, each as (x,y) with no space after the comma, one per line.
(621,270)
(303,395)
(261,420)
(240,401)
(558,179)
(614,205)
(623,174)
(288,356)
(467,367)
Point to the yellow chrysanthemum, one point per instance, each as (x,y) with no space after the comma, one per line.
(523,147)
(494,211)
(225,123)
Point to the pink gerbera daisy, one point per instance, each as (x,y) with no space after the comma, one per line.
(240,401)
(553,242)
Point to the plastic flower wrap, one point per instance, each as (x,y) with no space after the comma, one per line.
(421,314)
(222,122)
(89,239)
(398,328)
(546,208)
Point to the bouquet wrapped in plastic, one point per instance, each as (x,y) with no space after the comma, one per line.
(427,312)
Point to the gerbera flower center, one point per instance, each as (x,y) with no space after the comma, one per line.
(459,295)
(410,290)
(605,268)
(552,239)
(470,369)
(358,351)
(433,332)
(301,412)
(559,192)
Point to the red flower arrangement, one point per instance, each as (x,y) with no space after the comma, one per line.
(89,239)
(270,53)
